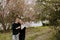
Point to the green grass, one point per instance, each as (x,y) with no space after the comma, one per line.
(29,32)
(5,36)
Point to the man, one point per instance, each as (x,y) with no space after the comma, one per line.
(15,29)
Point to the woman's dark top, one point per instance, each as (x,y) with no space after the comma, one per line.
(14,26)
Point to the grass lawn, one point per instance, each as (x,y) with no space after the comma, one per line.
(31,33)
(5,36)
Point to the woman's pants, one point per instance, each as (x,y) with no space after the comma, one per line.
(22,34)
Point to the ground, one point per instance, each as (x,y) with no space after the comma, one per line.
(38,33)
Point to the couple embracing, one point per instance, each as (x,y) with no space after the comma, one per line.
(18,33)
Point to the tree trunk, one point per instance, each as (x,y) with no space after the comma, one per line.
(9,27)
(4,27)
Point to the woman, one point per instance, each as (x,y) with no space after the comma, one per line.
(22,31)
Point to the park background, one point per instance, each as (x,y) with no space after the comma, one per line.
(42,18)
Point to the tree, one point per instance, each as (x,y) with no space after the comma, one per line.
(50,9)
(11,8)
(8,10)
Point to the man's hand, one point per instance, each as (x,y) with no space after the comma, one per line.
(18,27)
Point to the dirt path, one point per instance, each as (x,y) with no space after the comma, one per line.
(42,35)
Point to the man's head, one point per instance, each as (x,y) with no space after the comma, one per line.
(17,19)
